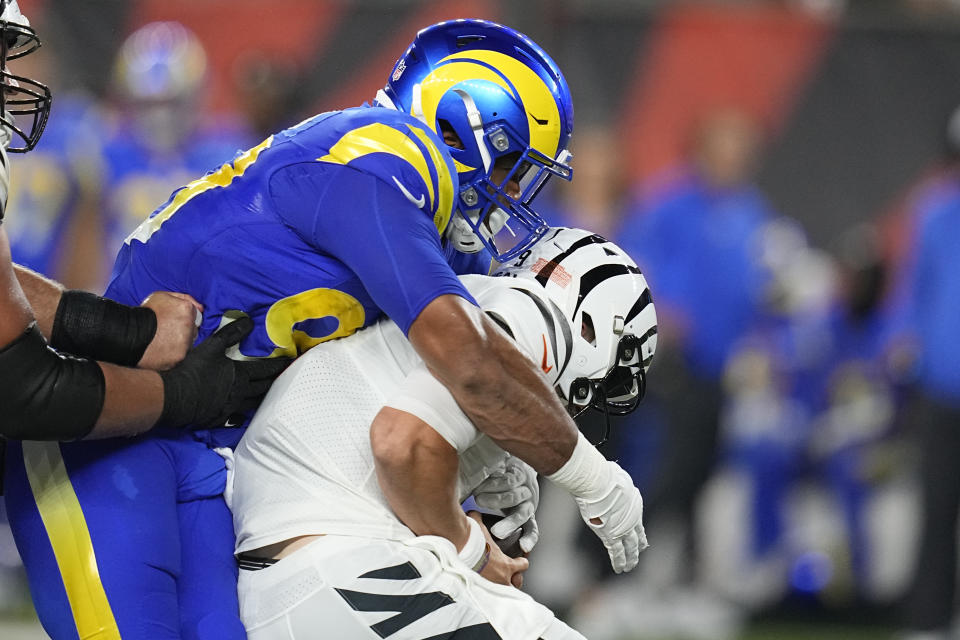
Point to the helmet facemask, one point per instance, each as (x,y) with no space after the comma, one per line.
(24,103)
(616,393)
(494,203)
(500,216)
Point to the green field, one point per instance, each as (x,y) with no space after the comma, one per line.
(774,631)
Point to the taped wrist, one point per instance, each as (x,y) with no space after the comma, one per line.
(586,474)
(89,326)
(46,395)
(475,552)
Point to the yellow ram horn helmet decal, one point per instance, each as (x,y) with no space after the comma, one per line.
(543,117)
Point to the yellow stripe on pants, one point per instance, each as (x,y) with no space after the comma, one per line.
(67,530)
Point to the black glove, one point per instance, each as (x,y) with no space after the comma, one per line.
(207,387)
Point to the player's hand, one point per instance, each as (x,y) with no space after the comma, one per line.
(207,387)
(616,516)
(178,317)
(516,493)
(500,568)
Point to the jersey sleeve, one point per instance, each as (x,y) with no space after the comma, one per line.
(373,228)
(425,397)
(529,318)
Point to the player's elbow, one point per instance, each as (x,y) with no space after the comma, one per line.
(392,440)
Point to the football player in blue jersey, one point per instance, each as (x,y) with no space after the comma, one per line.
(49,396)
(159,138)
(310,235)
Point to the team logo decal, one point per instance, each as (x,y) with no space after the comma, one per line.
(401,67)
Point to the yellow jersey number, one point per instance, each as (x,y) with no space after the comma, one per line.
(285,314)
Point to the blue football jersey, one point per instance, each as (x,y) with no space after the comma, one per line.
(136,177)
(312,233)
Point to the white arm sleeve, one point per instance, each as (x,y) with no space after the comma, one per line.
(524,315)
(425,397)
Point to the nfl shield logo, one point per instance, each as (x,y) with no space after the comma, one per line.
(401,67)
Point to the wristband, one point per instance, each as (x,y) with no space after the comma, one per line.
(586,474)
(475,552)
(93,327)
(484,560)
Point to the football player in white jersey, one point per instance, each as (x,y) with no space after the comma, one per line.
(348,483)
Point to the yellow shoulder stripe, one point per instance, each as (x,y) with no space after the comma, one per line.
(443,209)
(222,177)
(70,538)
(382,138)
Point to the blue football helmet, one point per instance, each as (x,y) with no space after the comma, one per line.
(509,105)
(159,76)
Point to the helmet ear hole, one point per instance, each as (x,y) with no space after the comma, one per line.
(450,137)
(587,331)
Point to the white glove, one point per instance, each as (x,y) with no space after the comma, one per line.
(620,513)
(609,503)
(516,493)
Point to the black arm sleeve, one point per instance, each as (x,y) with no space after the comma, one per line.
(45,395)
(89,326)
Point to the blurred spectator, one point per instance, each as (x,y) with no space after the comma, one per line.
(696,235)
(933,308)
(851,446)
(764,430)
(162,137)
(56,230)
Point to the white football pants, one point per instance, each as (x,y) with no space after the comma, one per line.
(345,588)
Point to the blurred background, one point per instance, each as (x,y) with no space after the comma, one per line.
(787,175)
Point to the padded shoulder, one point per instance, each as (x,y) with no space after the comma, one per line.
(399,150)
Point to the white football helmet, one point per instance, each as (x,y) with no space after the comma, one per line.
(23,99)
(610,314)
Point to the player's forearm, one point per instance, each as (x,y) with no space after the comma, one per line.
(15,313)
(511,402)
(132,402)
(417,472)
(501,390)
(43,294)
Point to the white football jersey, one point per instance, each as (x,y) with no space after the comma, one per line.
(305,465)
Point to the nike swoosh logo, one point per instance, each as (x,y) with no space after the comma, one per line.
(417,203)
(543,365)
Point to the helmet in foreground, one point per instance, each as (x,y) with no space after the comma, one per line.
(24,102)
(607,304)
(509,107)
